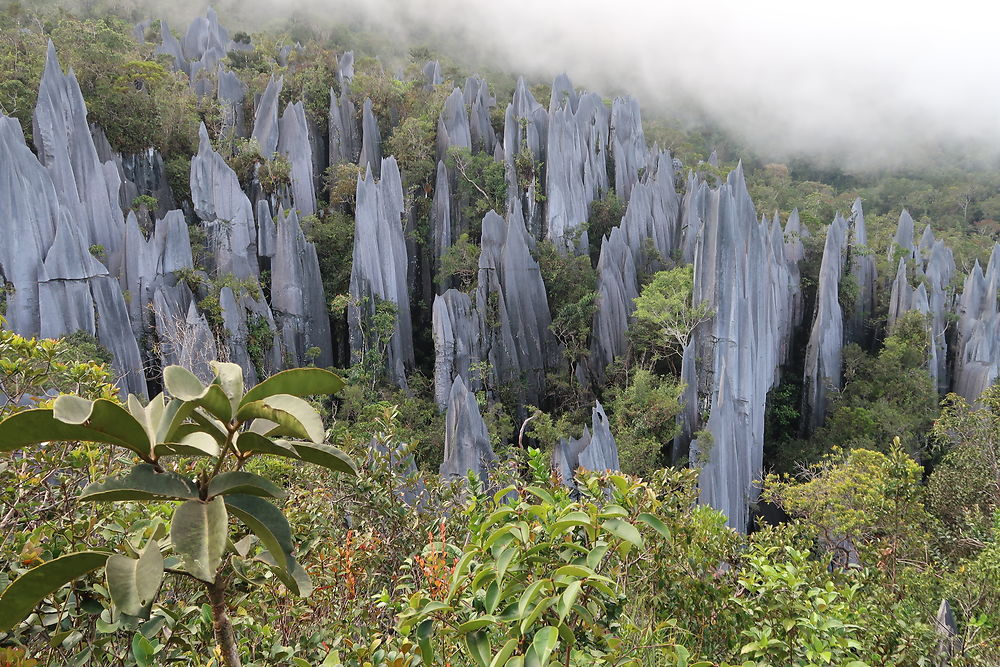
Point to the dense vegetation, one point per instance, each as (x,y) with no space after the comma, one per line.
(891,507)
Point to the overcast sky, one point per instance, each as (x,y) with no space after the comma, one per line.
(862,80)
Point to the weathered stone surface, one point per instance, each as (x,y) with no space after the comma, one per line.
(617,288)
(795,252)
(740,271)
(466,441)
(576,168)
(345,141)
(250,335)
(371,141)
(525,128)
(862,263)
(977,345)
(453,125)
(949,642)
(903,240)
(480,102)
(824,353)
(432,74)
(231,91)
(265,122)
(694,211)
(294,144)
(595,450)
(169,45)
(628,144)
(184,336)
(225,210)
(441,218)
(457,330)
(147,175)
(379,268)
(87,190)
(345,68)
(653,215)
(297,296)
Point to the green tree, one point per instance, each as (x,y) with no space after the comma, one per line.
(222,426)
(665,314)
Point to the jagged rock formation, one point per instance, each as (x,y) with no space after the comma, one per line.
(457,328)
(224,210)
(903,240)
(653,215)
(977,345)
(795,252)
(343,127)
(628,144)
(265,121)
(371,141)
(514,309)
(453,125)
(863,272)
(231,91)
(466,441)
(294,144)
(432,74)
(441,231)
(297,296)
(525,134)
(595,450)
(741,273)
(576,168)
(480,102)
(617,289)
(826,340)
(379,268)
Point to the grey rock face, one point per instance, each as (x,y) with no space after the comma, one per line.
(823,354)
(171,47)
(297,297)
(225,210)
(595,450)
(379,268)
(466,441)
(85,188)
(453,125)
(265,122)
(345,68)
(231,92)
(371,141)
(441,216)
(147,175)
(576,168)
(343,127)
(862,265)
(795,252)
(628,144)
(653,214)
(616,290)
(977,346)
(525,129)
(481,102)
(741,272)
(294,144)
(694,211)
(903,240)
(457,329)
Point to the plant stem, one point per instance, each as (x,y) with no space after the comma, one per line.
(224,635)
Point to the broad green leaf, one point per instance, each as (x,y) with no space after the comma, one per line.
(541,647)
(655,524)
(198,532)
(207,423)
(230,378)
(500,659)
(597,554)
(533,615)
(477,623)
(295,578)
(623,530)
(326,456)
(143,482)
(191,443)
(216,403)
(542,494)
(570,520)
(288,424)
(529,595)
(249,442)
(568,599)
(478,645)
(138,412)
(133,582)
(503,562)
(296,382)
(25,592)
(267,523)
(143,651)
(182,383)
(105,416)
(154,412)
(574,571)
(247,483)
(424,633)
(516,661)
(40,425)
(174,414)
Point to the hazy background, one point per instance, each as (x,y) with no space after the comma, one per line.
(864,83)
